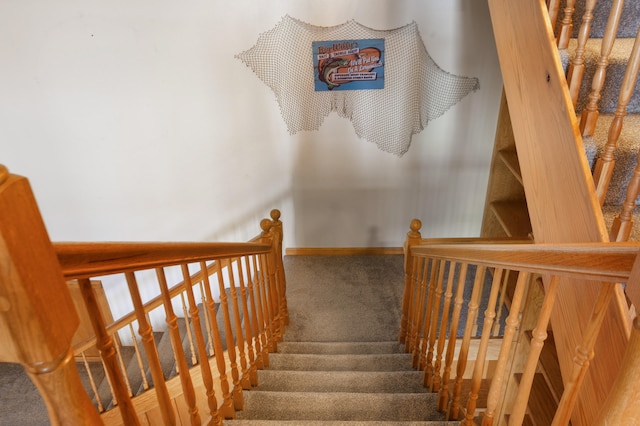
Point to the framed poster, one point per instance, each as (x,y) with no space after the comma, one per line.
(348,64)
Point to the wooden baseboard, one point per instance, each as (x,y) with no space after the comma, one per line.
(343,251)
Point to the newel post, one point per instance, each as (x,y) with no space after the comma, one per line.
(37,315)
(413,238)
(278,232)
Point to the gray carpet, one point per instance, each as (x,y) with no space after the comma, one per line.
(364,292)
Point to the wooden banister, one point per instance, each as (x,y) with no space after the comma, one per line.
(37,316)
(83,260)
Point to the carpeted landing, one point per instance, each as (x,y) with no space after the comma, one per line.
(340,362)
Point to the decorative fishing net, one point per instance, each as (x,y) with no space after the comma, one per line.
(415,89)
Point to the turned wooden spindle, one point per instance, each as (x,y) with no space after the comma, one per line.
(205,368)
(554,7)
(590,113)
(106,346)
(623,222)
(37,315)
(263,340)
(227,409)
(566,25)
(537,342)
(148,342)
(575,73)
(248,320)
(443,396)
(604,165)
(489,316)
(417,275)
(454,407)
(434,307)
(178,351)
(413,238)
(512,322)
(418,311)
(438,382)
(238,400)
(244,368)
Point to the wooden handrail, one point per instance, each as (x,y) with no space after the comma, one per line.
(593,261)
(84,260)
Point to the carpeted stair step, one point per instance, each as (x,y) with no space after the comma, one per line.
(341,362)
(341,381)
(270,405)
(336,348)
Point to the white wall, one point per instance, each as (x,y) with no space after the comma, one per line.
(134,121)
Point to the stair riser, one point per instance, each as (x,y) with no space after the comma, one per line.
(390,362)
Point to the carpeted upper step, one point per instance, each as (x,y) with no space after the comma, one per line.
(346,362)
(339,347)
(341,381)
(339,406)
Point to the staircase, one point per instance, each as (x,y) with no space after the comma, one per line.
(341,362)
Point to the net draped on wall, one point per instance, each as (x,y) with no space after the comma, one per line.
(416,90)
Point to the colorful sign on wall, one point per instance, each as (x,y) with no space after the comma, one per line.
(348,64)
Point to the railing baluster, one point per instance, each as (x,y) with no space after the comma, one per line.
(539,337)
(205,368)
(226,410)
(146,334)
(244,379)
(188,331)
(442,336)
(590,113)
(262,326)
(413,298)
(566,25)
(178,351)
(454,408)
(108,353)
(435,308)
(503,295)
(136,348)
(255,330)
(238,401)
(584,353)
(92,383)
(205,313)
(425,323)
(123,368)
(489,316)
(554,7)
(253,372)
(267,307)
(576,68)
(443,397)
(512,322)
(623,222)
(419,344)
(604,165)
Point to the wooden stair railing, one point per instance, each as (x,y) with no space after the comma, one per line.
(39,319)
(606,263)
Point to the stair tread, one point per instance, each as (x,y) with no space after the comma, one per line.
(340,362)
(341,381)
(336,348)
(273,405)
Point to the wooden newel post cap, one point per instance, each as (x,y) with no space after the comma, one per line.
(265,225)
(275,215)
